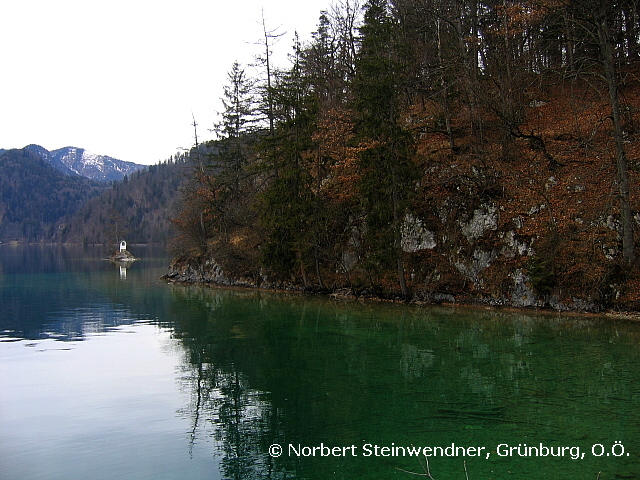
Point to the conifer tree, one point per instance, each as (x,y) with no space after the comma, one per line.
(286,204)
(388,173)
(235,130)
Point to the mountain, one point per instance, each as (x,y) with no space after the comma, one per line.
(40,203)
(35,197)
(139,208)
(78,161)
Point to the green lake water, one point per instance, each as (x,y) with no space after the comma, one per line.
(108,373)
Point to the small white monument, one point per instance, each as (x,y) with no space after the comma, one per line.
(122,255)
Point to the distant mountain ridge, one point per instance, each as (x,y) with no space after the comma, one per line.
(41,203)
(78,161)
(35,198)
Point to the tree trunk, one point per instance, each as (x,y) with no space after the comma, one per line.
(403,284)
(397,220)
(604,39)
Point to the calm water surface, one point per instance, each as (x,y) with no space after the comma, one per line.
(106,373)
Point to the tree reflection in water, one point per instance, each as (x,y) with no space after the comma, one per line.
(265,369)
(223,407)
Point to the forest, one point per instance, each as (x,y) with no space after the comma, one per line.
(138,208)
(39,204)
(480,151)
(35,198)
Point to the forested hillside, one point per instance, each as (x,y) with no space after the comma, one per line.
(451,150)
(139,208)
(35,197)
(38,203)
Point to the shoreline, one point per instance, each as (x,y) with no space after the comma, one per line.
(626,316)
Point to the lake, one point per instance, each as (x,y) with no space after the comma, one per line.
(109,373)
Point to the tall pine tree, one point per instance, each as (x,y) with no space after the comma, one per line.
(235,131)
(287,203)
(388,173)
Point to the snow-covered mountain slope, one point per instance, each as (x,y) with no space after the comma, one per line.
(78,161)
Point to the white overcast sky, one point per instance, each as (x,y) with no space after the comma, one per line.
(122,77)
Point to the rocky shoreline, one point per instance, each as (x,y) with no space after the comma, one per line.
(122,256)
(208,272)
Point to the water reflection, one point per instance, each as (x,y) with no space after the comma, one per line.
(257,369)
(223,405)
(264,370)
(122,268)
(66,292)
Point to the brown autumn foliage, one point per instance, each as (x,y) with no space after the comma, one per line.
(518,201)
(558,204)
(556,192)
